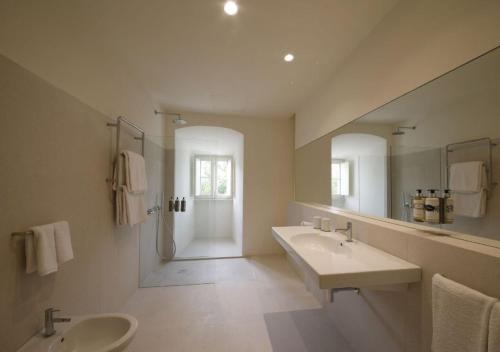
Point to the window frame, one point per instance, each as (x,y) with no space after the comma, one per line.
(213,176)
(342,194)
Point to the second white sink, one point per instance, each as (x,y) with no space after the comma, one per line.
(99,333)
(335,263)
(90,333)
(320,243)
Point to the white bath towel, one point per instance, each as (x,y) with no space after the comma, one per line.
(135,172)
(64,249)
(468,177)
(460,317)
(472,205)
(40,249)
(494,329)
(130,207)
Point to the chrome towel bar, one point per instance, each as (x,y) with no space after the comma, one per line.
(118,126)
(21,234)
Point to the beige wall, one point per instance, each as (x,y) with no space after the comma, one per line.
(55,154)
(416,42)
(268,174)
(392,321)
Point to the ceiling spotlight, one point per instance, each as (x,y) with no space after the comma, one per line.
(288,57)
(231,8)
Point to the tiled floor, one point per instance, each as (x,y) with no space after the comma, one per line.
(210,247)
(225,316)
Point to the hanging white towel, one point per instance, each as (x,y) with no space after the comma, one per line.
(460,317)
(468,177)
(64,249)
(130,208)
(135,172)
(472,205)
(40,249)
(494,329)
(135,208)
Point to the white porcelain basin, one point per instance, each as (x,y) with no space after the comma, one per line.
(100,333)
(332,262)
(320,243)
(91,333)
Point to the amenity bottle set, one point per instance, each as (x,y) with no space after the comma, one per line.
(176,205)
(432,208)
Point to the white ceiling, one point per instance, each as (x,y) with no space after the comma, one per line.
(129,57)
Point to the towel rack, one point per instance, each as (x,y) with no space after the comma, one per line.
(21,234)
(118,124)
(450,148)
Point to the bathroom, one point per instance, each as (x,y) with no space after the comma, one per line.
(238,129)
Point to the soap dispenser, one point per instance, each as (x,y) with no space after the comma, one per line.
(432,209)
(449,210)
(176,204)
(183,204)
(171,204)
(418,205)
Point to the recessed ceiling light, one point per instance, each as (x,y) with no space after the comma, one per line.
(289,57)
(231,8)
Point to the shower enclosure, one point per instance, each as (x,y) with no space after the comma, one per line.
(204,166)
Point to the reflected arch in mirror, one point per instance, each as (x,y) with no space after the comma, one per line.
(359,173)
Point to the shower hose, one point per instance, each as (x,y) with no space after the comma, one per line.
(160,214)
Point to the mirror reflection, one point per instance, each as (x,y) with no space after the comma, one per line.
(420,158)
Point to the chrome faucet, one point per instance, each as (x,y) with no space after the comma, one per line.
(50,320)
(347,231)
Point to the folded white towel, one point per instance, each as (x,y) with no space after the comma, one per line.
(494,329)
(468,177)
(41,250)
(130,207)
(472,205)
(64,249)
(135,172)
(460,317)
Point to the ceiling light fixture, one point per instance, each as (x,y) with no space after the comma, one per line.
(231,8)
(289,57)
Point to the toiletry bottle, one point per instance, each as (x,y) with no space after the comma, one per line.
(449,210)
(432,207)
(418,205)
(176,204)
(183,204)
(171,204)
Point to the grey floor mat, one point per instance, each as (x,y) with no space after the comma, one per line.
(304,331)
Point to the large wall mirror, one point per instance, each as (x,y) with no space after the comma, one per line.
(430,157)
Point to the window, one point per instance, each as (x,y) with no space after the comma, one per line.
(340,178)
(213,177)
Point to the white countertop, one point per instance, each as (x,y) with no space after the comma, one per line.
(336,263)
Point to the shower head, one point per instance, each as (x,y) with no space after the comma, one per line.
(399,131)
(178,119)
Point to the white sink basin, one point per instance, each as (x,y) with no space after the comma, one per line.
(92,333)
(320,243)
(335,263)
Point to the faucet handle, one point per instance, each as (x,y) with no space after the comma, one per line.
(50,311)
